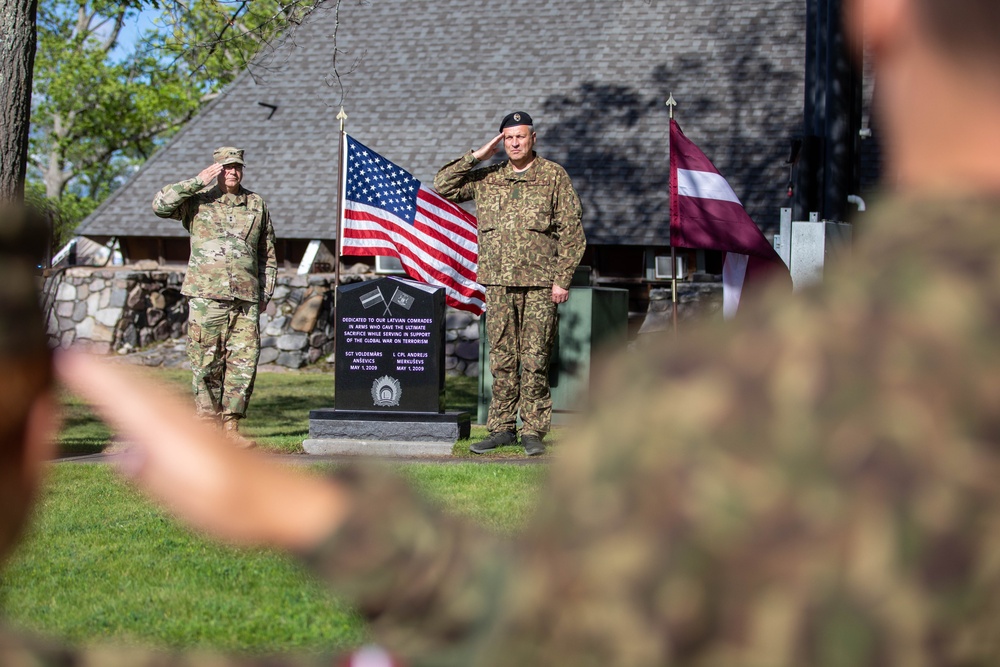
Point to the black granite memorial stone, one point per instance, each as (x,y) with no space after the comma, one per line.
(390,347)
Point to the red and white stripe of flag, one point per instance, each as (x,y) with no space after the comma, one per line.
(706,213)
(439,248)
(715,193)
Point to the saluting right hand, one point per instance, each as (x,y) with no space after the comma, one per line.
(489,149)
(210,173)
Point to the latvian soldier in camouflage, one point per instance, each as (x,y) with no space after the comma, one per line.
(530,242)
(230,277)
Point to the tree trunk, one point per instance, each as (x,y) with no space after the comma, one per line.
(55,174)
(17,58)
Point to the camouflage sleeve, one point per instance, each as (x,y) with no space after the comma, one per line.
(428,583)
(457,181)
(173,200)
(567,215)
(749,493)
(267,258)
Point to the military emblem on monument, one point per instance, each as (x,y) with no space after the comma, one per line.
(386,391)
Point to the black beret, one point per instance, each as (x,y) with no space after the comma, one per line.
(516,118)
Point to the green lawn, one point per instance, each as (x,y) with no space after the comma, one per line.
(101,563)
(278,418)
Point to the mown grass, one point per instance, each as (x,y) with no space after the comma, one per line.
(278,418)
(102,564)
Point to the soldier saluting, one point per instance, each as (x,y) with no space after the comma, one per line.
(530,242)
(230,278)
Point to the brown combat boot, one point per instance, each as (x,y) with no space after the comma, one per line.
(231,429)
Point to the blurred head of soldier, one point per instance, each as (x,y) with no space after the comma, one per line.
(518,138)
(28,408)
(937,88)
(232,163)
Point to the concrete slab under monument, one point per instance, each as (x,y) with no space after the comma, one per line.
(374,433)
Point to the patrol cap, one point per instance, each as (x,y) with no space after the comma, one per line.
(22,244)
(228,155)
(516,118)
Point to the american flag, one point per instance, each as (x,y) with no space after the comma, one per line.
(386,211)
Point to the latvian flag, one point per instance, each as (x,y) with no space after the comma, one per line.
(386,211)
(706,213)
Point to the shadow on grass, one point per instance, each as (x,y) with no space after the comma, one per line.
(282,415)
(462,394)
(82,433)
(278,416)
(80,447)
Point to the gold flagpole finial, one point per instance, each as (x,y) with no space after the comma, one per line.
(671,102)
(342,116)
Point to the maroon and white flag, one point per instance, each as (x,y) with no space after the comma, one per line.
(706,213)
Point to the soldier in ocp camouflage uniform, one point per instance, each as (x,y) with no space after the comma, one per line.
(230,279)
(530,242)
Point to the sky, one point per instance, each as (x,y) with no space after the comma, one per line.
(132,29)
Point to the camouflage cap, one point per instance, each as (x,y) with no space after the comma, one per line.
(228,155)
(515,118)
(22,244)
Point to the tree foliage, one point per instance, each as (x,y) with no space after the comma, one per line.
(212,41)
(94,113)
(99,110)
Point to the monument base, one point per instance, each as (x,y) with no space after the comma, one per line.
(375,433)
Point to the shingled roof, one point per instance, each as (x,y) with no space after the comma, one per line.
(437,76)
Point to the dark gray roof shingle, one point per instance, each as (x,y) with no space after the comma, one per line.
(438,75)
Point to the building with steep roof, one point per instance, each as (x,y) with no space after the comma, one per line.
(434,78)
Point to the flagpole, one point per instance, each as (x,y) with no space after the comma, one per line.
(342,176)
(671,103)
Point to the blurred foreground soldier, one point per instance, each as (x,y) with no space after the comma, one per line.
(530,242)
(29,421)
(813,485)
(230,279)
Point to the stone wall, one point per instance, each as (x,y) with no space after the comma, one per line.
(123,309)
(111,309)
(297,327)
(461,343)
(695,300)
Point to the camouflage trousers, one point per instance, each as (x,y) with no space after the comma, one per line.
(520,328)
(223,347)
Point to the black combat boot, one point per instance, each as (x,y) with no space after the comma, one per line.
(533,445)
(492,441)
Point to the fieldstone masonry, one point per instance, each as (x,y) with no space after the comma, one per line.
(695,300)
(461,343)
(106,310)
(123,309)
